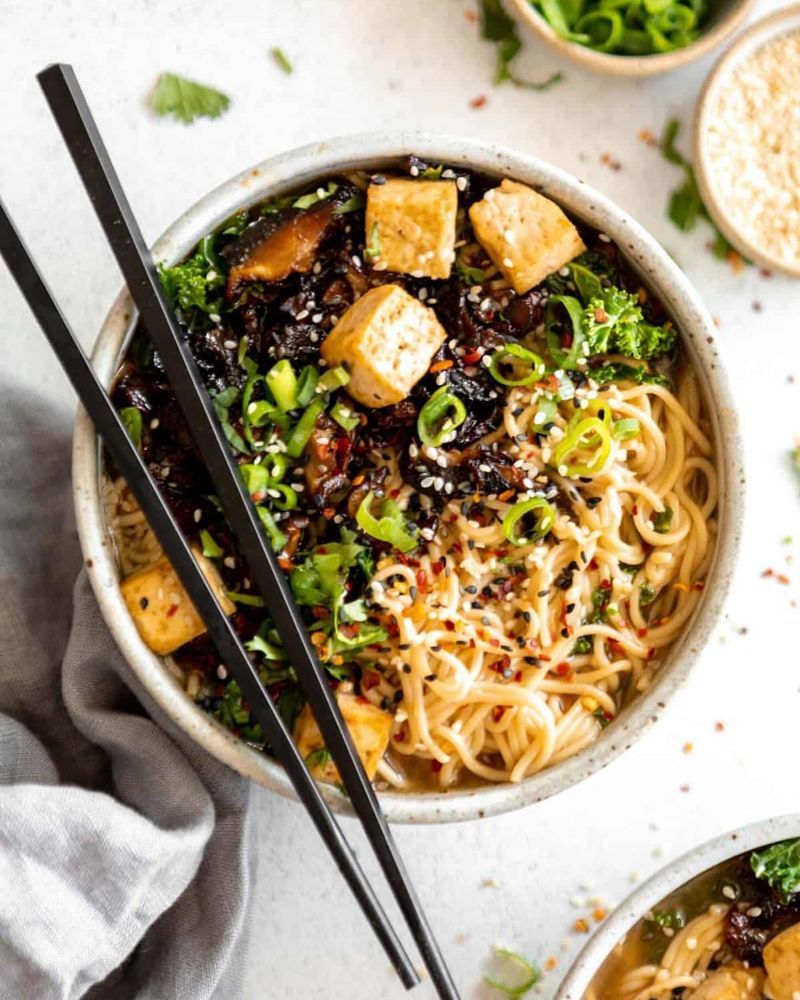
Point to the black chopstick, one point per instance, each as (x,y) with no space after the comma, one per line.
(82,137)
(131,465)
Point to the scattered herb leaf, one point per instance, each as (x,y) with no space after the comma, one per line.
(187,100)
(282,60)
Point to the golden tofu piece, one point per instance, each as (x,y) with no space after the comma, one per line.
(369,727)
(161,608)
(782,962)
(412,226)
(387,339)
(731,982)
(526,235)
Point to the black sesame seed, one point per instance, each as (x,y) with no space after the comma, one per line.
(404,645)
(471,589)
(543,593)
(592,502)
(570,608)
(384,703)
(397,697)
(565,633)
(143,602)
(532,661)
(527,615)
(406,668)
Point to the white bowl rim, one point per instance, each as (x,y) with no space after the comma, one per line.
(288,171)
(633,66)
(784,21)
(665,881)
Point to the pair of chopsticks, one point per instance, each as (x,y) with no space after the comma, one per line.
(83,140)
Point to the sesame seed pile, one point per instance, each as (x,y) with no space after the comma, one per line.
(754,144)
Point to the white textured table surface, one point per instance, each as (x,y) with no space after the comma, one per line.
(370,64)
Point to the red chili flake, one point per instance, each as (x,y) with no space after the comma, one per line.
(518,676)
(471,357)
(471,16)
(685,788)
(635,509)
(593,564)
(285,564)
(782,578)
(442,366)
(566,341)
(605,585)
(398,737)
(768,572)
(479,101)
(600,315)
(701,586)
(719,727)
(651,652)
(494,642)
(407,560)
(648,138)
(499,712)
(641,632)
(329,513)
(422,579)
(563,668)
(613,164)
(320,613)
(436,766)
(545,658)
(172,609)
(437,568)
(765,272)
(450,626)
(258,496)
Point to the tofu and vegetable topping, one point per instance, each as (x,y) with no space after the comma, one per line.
(452,406)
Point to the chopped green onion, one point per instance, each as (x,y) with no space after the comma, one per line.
(282,60)
(605,28)
(307,200)
(626,429)
(663,520)
(390,527)
(586,281)
(282,383)
(131,417)
(254,477)
(528,972)
(277,539)
(372,248)
(306,385)
(544,516)
(333,379)
(304,427)
(346,418)
(546,413)
(288,498)
(250,600)
(564,357)
(439,417)
(210,548)
(531,369)
(591,434)
(353,204)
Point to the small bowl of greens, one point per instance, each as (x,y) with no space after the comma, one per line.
(632,37)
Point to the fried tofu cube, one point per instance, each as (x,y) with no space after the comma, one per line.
(387,339)
(782,962)
(161,608)
(526,235)
(411,226)
(369,727)
(731,982)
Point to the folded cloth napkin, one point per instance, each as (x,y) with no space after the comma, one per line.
(124,848)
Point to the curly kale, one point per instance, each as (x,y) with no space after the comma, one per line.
(188,285)
(614,324)
(779,866)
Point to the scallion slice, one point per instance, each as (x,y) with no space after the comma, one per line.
(441,415)
(544,518)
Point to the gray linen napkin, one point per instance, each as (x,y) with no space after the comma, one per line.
(124,848)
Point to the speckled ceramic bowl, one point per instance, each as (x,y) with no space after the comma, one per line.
(726,16)
(302,167)
(664,882)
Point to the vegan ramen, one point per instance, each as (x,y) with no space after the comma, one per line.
(474,442)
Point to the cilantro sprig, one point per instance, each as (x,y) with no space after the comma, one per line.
(186,99)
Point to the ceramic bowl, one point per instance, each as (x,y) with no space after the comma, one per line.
(781,22)
(654,890)
(302,167)
(726,16)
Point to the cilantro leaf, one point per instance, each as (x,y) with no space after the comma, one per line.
(779,866)
(187,100)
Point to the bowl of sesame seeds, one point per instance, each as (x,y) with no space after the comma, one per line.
(649,265)
(747,137)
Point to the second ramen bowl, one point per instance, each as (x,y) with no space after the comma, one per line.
(305,166)
(650,895)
